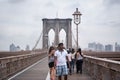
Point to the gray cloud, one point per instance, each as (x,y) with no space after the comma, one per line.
(50,4)
(112,2)
(20,20)
(114,24)
(15,1)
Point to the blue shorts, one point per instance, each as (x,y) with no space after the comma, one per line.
(61,70)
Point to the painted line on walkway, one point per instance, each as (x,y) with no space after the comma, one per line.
(48,76)
(26,69)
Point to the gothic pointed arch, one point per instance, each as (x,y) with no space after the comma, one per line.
(57,25)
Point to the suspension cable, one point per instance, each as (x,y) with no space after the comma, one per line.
(74,38)
(37,41)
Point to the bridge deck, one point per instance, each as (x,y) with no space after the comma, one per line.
(39,71)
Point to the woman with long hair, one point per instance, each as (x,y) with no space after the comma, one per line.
(51,62)
(79,61)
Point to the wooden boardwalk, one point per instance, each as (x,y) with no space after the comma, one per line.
(39,71)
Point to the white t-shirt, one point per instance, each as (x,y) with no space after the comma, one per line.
(61,57)
(73,55)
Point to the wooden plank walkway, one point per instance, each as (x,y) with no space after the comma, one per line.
(39,71)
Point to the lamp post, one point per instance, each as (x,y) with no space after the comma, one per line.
(77,20)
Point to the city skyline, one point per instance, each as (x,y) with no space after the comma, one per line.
(21,20)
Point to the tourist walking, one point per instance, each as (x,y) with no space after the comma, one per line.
(51,62)
(61,57)
(73,60)
(70,61)
(79,61)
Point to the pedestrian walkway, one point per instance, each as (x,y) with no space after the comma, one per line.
(78,77)
(40,71)
(74,76)
(37,71)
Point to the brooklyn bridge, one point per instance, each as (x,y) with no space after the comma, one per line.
(33,65)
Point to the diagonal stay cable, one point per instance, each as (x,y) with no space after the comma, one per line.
(37,41)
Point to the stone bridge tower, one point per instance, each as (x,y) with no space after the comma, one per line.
(57,24)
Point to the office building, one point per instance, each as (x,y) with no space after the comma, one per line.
(117,47)
(109,48)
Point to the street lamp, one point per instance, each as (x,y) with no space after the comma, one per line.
(77,19)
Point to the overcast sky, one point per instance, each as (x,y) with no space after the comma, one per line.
(21,24)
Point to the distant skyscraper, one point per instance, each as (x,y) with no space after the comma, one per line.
(99,47)
(92,46)
(108,48)
(95,46)
(12,48)
(18,48)
(117,47)
(27,48)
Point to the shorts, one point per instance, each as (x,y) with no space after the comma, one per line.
(61,70)
(51,64)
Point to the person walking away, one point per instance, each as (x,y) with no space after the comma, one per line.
(51,62)
(79,61)
(73,60)
(61,57)
(70,61)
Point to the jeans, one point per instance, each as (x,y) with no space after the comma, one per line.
(72,65)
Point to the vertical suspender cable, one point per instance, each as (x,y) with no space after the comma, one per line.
(74,38)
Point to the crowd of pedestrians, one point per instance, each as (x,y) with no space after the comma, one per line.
(63,61)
